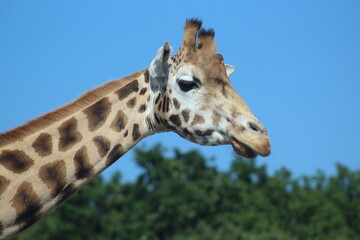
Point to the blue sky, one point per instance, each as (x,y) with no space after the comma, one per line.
(297,66)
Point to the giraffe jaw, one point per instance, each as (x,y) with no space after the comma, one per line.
(242,149)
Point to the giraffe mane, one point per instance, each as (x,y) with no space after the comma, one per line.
(32,126)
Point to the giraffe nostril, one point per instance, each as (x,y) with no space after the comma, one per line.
(255,127)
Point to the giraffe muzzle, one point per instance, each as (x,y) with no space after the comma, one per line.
(242,149)
(263,149)
(250,139)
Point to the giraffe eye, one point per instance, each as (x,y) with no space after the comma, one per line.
(187,85)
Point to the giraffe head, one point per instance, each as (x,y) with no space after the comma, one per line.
(193,96)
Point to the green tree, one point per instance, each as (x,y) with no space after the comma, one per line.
(181,195)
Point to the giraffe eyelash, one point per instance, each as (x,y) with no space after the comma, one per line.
(187,85)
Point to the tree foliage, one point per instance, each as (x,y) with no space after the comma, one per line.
(185,197)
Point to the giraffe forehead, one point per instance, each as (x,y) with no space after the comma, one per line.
(209,70)
(186,72)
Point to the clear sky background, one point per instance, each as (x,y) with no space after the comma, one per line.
(297,66)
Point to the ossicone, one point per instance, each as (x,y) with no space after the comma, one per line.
(197,38)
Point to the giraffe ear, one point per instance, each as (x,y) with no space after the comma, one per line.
(229,69)
(159,67)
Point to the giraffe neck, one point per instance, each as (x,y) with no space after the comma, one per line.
(50,158)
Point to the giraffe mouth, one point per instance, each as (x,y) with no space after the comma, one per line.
(242,149)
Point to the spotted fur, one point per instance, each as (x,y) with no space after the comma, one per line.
(76,142)
(115,154)
(136,132)
(186,114)
(176,103)
(54,176)
(131,103)
(120,121)
(125,91)
(16,161)
(26,204)
(143,91)
(83,168)
(142,108)
(43,145)
(4,183)
(98,113)
(69,135)
(57,115)
(146,76)
(198,119)
(175,119)
(102,145)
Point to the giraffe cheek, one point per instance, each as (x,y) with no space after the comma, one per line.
(186,114)
(176,103)
(175,119)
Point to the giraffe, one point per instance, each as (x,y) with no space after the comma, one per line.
(45,161)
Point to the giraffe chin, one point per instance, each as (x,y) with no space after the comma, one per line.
(241,149)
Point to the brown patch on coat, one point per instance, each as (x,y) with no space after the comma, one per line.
(205,133)
(15,160)
(157,98)
(175,119)
(131,103)
(4,183)
(69,135)
(176,103)
(98,113)
(186,114)
(142,108)
(166,104)
(115,154)
(149,123)
(43,145)
(57,115)
(83,168)
(198,120)
(53,176)
(146,76)
(102,144)
(26,204)
(143,91)
(126,90)
(136,132)
(119,122)
(216,117)
(159,106)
